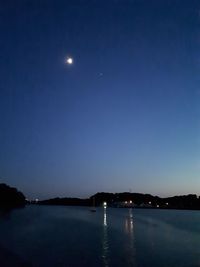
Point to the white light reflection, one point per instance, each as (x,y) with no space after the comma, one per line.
(129,230)
(131,218)
(104,204)
(104,217)
(129,222)
(105,247)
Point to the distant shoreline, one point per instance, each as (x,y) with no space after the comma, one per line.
(139,208)
(127,200)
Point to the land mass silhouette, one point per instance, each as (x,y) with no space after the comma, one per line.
(10,197)
(126,199)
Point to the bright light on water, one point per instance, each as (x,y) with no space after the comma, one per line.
(109,238)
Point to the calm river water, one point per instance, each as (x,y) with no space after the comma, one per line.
(50,236)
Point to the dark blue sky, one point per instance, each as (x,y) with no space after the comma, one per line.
(124,116)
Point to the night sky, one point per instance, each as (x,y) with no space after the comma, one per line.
(125,116)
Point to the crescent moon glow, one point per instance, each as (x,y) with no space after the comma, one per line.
(69,60)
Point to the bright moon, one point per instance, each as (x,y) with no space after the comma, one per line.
(69,60)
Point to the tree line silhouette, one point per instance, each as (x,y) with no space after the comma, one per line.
(138,200)
(10,197)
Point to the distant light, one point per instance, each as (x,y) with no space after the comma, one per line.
(167,203)
(36,200)
(149,202)
(131,201)
(105,204)
(69,60)
(125,202)
(157,206)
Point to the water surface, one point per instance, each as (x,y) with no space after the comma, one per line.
(56,236)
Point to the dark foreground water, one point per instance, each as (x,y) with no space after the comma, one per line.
(48,236)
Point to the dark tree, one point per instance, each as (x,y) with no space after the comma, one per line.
(10,197)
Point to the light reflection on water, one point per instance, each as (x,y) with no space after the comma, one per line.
(73,236)
(129,230)
(105,253)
